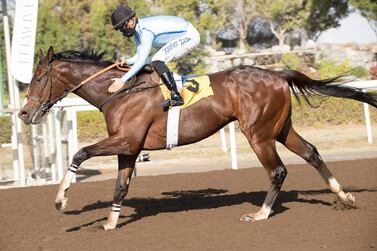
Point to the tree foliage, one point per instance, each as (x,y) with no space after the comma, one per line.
(78,24)
(325,14)
(201,15)
(368,9)
(237,14)
(283,16)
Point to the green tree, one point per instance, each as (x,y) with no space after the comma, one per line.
(368,9)
(200,14)
(78,24)
(284,16)
(238,14)
(58,25)
(325,14)
(100,34)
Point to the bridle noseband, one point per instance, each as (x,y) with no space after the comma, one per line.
(45,106)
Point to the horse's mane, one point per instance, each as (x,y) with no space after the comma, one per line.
(91,56)
(86,55)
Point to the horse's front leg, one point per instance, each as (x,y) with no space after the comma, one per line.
(110,146)
(126,164)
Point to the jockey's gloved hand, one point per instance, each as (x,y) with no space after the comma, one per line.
(116,86)
(123,60)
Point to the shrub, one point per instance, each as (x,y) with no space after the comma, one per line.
(332,111)
(290,61)
(330,69)
(91,126)
(5,129)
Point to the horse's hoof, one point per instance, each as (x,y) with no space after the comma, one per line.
(60,205)
(247,218)
(109,226)
(350,198)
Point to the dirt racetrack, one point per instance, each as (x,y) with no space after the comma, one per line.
(198,211)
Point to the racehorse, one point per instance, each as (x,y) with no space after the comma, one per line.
(259,99)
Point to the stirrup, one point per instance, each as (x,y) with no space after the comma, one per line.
(166,104)
(171,102)
(176,102)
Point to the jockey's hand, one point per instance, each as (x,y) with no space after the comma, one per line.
(123,60)
(116,86)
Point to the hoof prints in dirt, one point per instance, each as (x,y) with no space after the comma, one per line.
(338,204)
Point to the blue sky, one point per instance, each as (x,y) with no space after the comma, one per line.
(353,29)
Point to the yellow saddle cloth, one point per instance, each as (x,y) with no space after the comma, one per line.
(193,90)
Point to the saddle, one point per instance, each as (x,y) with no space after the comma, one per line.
(191,88)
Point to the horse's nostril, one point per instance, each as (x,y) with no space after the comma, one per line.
(23,114)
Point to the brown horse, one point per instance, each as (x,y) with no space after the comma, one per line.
(259,99)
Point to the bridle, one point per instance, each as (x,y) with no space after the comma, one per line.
(45,106)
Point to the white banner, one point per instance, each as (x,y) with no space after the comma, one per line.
(23,42)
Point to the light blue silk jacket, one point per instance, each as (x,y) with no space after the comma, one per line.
(153,32)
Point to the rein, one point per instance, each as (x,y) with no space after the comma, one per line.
(49,103)
(131,88)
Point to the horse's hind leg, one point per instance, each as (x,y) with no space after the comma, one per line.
(126,164)
(308,152)
(268,156)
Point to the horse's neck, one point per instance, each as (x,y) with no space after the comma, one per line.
(94,91)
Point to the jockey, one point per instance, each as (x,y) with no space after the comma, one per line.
(173,36)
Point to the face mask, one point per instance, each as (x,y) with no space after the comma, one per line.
(128,32)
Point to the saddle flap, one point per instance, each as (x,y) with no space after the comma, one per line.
(192,89)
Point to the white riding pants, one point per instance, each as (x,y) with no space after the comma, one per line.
(178,47)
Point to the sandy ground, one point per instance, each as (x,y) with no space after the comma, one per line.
(198,211)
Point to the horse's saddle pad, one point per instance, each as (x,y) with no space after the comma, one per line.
(192,89)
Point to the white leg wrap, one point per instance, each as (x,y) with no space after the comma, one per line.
(65,183)
(113,217)
(334,185)
(73,168)
(264,212)
(61,200)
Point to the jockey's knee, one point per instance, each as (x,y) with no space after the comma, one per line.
(160,67)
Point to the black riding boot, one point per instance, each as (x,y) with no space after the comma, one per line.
(176,99)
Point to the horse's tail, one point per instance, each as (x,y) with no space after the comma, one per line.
(307,87)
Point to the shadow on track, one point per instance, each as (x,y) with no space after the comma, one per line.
(177,201)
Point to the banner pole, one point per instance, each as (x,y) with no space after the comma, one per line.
(14,103)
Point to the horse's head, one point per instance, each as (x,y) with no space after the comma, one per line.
(43,89)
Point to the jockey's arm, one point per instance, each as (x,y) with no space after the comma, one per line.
(143,51)
(132,60)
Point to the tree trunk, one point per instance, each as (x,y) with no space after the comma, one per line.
(242,45)
(281,38)
(279,35)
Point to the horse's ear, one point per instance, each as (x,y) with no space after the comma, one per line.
(50,52)
(41,55)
